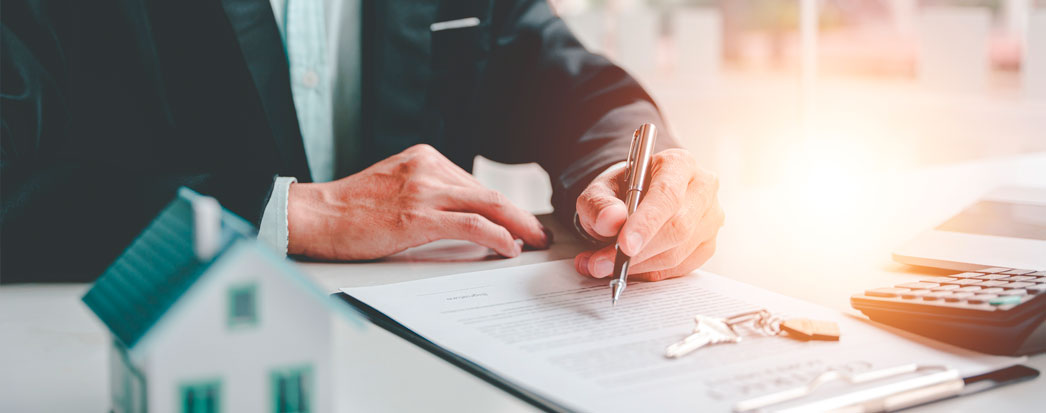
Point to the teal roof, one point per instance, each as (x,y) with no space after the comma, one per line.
(156,269)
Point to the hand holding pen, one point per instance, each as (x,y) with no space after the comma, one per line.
(640,153)
(672,231)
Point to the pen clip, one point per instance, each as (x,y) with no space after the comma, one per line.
(633,158)
(633,149)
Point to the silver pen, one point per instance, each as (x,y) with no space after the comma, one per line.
(640,153)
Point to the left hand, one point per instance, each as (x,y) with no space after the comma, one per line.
(672,232)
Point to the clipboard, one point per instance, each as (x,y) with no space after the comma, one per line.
(936,383)
(508,386)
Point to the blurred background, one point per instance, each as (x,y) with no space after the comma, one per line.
(770,92)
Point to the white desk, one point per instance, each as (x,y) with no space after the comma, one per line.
(52,350)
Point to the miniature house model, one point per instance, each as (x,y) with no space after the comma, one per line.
(204,318)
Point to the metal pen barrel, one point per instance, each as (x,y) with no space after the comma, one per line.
(639,155)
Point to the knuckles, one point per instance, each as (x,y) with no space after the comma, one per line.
(677,230)
(471,224)
(407,218)
(416,185)
(495,199)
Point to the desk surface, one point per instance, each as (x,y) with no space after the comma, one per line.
(818,246)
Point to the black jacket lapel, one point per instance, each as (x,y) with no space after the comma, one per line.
(262,48)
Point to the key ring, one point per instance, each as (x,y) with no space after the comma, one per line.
(764,321)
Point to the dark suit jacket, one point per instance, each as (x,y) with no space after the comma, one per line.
(109,106)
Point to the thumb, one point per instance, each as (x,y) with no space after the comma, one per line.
(600,210)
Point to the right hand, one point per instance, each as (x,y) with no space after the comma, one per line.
(412,198)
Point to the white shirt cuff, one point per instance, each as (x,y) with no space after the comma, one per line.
(273,228)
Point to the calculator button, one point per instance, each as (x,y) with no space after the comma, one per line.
(981,298)
(1018,285)
(1017,278)
(913,294)
(955,297)
(1036,273)
(885,292)
(1018,272)
(993,270)
(995,283)
(991,276)
(1017,292)
(994,290)
(939,280)
(945,288)
(918,285)
(965,281)
(966,275)
(1005,300)
(937,295)
(969,288)
(1036,289)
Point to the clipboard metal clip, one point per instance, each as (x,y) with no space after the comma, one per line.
(932,383)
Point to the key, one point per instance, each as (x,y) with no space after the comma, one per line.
(937,295)
(913,294)
(939,280)
(708,331)
(886,292)
(993,270)
(957,297)
(981,298)
(918,285)
(991,277)
(965,281)
(807,329)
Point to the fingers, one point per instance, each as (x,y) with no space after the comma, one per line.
(494,206)
(437,183)
(691,263)
(666,195)
(581,262)
(474,228)
(674,228)
(684,232)
(600,208)
(599,263)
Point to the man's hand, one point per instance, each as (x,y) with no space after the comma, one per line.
(412,198)
(673,230)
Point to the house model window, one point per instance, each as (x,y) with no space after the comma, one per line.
(201,397)
(291,389)
(243,306)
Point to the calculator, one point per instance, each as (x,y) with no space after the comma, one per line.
(993,310)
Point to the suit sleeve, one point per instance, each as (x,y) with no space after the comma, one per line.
(548,99)
(63,216)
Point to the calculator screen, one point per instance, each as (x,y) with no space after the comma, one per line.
(1002,219)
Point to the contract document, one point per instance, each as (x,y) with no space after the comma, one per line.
(552,332)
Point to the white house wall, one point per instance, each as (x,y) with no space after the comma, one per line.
(193,341)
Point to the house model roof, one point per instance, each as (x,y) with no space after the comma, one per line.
(160,265)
